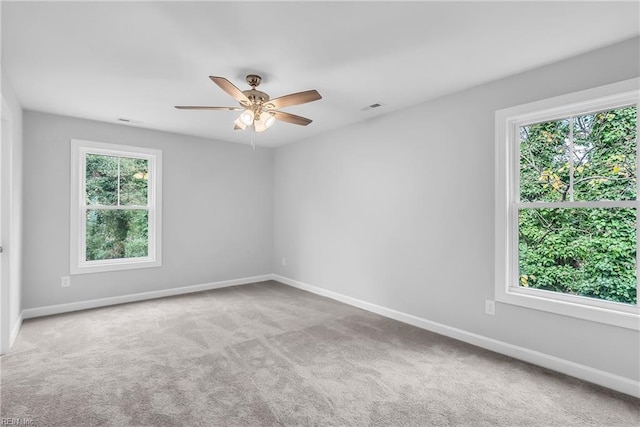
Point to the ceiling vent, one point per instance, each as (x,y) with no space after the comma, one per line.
(373,106)
(128,121)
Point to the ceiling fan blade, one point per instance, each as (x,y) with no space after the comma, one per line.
(230,88)
(295,99)
(197,107)
(290,118)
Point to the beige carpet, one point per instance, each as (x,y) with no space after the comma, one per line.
(268,354)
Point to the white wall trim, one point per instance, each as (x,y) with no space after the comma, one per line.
(15,330)
(30,313)
(6,159)
(583,372)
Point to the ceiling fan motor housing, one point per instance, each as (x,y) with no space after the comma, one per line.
(256,96)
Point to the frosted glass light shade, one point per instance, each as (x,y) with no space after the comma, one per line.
(264,122)
(259,126)
(246,117)
(270,120)
(240,124)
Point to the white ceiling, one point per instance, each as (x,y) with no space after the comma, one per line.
(137,60)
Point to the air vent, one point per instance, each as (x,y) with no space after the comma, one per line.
(128,121)
(373,106)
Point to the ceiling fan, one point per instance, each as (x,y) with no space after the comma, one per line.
(258,110)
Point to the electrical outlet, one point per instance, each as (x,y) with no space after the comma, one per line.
(65,281)
(284,261)
(490,307)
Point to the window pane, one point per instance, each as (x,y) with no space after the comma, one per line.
(605,155)
(101,180)
(115,234)
(586,252)
(134,174)
(544,161)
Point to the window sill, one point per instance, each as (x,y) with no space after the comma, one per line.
(611,313)
(100,267)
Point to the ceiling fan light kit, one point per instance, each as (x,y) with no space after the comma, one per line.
(246,117)
(258,110)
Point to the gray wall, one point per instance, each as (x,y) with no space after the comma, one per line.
(399,212)
(12,234)
(217,211)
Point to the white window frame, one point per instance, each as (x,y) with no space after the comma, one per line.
(507,123)
(79,150)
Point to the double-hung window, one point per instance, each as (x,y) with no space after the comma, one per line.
(566,205)
(115,207)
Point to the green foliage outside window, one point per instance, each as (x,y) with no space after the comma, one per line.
(117,219)
(582,251)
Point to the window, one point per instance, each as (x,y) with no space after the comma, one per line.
(566,205)
(115,207)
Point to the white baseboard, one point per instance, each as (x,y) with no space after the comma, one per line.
(583,372)
(102,302)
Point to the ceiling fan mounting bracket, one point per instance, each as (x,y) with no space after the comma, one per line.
(254,80)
